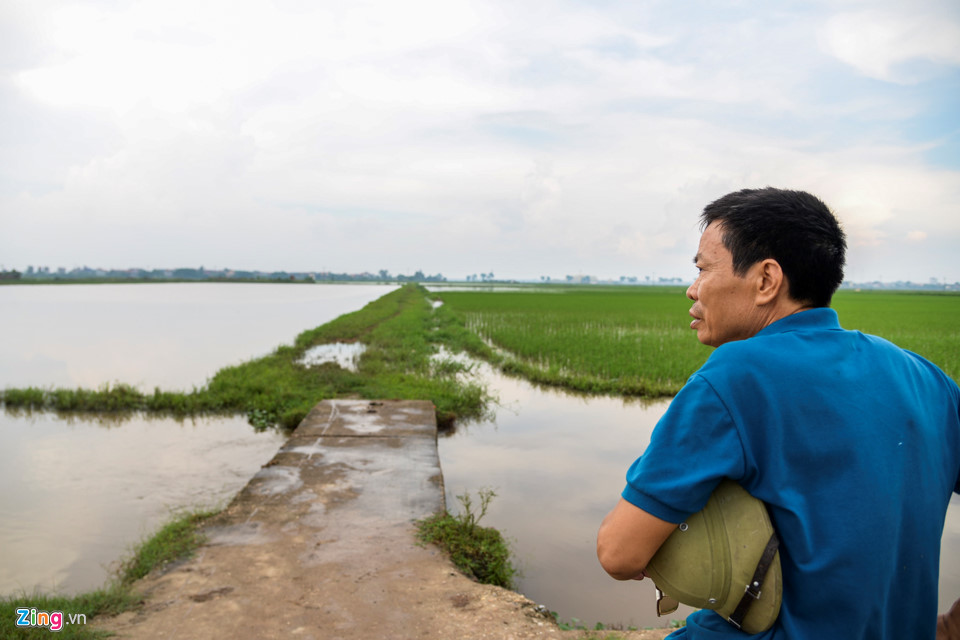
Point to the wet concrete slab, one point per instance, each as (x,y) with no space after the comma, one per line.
(354,456)
(391,418)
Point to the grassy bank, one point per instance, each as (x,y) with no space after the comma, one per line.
(636,341)
(401,334)
(174,541)
(479,552)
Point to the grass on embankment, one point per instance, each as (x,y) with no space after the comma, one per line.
(399,329)
(174,541)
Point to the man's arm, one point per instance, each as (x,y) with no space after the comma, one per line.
(628,538)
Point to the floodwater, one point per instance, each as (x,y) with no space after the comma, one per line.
(557,462)
(174,336)
(80,493)
(345,355)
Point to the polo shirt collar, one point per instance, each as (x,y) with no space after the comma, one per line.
(820,318)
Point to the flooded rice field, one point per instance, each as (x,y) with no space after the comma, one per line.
(174,336)
(84,491)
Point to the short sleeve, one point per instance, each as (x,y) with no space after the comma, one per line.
(693,447)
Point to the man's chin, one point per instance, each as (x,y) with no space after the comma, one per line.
(706,340)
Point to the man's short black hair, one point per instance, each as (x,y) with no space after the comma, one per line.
(794,228)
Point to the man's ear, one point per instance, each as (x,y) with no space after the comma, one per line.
(770,282)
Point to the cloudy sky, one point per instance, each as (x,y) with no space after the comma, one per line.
(520,137)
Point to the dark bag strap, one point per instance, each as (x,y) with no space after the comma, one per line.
(752,591)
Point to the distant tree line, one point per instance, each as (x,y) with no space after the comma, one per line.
(200,274)
(483,277)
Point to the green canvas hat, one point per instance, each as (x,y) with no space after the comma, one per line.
(724,558)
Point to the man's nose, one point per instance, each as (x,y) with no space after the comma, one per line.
(692,290)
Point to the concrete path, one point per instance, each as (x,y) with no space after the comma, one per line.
(320,544)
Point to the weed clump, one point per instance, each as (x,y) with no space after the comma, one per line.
(479,552)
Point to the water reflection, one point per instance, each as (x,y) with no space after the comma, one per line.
(80,494)
(345,355)
(558,464)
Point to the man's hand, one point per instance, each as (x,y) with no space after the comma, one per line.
(628,538)
(948,624)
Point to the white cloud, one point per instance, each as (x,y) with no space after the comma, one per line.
(877,42)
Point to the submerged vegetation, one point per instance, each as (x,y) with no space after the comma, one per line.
(400,332)
(176,540)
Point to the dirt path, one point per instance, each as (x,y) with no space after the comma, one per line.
(320,545)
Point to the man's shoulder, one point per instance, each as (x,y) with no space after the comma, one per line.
(785,353)
(890,350)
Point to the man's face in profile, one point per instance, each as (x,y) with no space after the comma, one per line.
(724,306)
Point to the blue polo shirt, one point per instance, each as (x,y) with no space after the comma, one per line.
(853,443)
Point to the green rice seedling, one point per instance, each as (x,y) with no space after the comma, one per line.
(630,341)
(637,341)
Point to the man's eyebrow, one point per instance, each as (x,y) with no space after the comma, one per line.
(696,258)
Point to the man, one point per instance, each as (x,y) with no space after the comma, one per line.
(852,442)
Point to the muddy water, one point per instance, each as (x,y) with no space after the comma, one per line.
(557,463)
(174,336)
(85,492)
(78,493)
